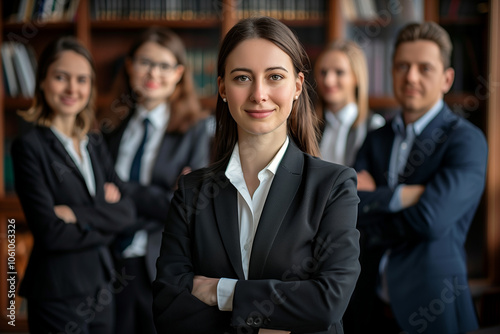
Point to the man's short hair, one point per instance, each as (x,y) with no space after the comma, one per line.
(429,31)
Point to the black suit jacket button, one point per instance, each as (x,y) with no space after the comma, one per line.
(257,321)
(250,321)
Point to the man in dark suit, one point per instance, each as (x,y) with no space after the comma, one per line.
(420,179)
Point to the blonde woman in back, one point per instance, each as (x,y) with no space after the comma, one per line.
(341,75)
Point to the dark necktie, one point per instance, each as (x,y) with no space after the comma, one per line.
(135,169)
(124,240)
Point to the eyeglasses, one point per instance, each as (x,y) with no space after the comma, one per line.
(145,64)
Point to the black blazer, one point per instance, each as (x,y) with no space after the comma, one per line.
(304,261)
(67,259)
(177,150)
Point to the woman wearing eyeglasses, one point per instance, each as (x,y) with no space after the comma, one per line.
(164,135)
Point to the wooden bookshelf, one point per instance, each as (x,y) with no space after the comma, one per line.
(493,120)
(10,210)
(108,39)
(2,110)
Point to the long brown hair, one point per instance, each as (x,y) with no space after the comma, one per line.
(40,112)
(357,61)
(302,123)
(185,105)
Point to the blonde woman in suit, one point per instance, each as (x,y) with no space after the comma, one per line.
(71,197)
(341,76)
(264,240)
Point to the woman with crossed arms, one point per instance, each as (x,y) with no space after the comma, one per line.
(265,239)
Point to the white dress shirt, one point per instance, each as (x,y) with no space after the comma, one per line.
(131,139)
(337,126)
(83,163)
(249,212)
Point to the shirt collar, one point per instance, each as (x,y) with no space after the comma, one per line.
(420,124)
(273,165)
(65,140)
(158,117)
(234,170)
(346,116)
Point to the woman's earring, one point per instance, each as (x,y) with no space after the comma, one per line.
(224,99)
(296,97)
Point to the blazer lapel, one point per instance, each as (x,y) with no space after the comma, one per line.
(165,157)
(355,139)
(99,177)
(424,146)
(283,189)
(226,214)
(66,163)
(56,146)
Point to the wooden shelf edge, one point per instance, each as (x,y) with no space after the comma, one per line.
(139,24)
(464,21)
(17,102)
(480,286)
(14,26)
(304,23)
(462,98)
(383,102)
(9,201)
(10,206)
(380,102)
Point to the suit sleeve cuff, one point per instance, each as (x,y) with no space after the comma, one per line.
(225,293)
(395,203)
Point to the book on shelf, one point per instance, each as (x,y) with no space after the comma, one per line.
(412,10)
(286,9)
(102,10)
(382,10)
(19,69)
(45,11)
(41,10)
(204,9)
(203,63)
(359,9)
(24,70)
(348,10)
(10,78)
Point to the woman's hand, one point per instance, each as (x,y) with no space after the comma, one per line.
(205,289)
(186,170)
(111,193)
(65,213)
(366,181)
